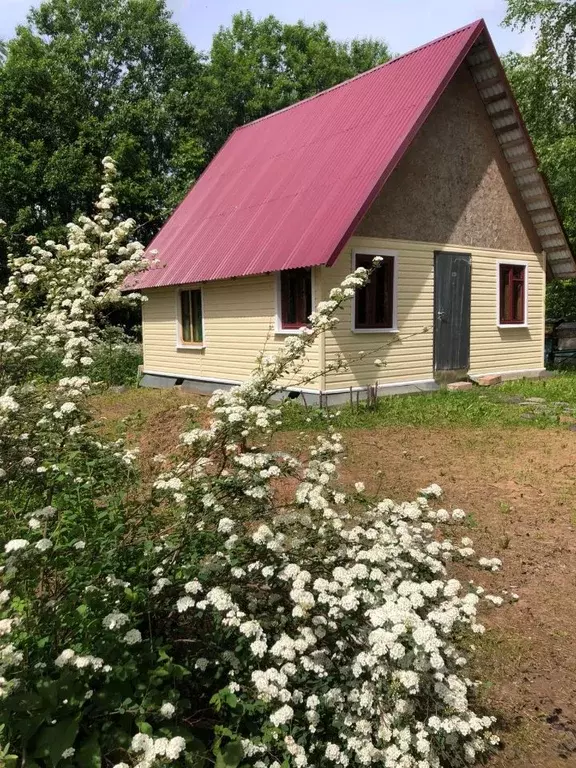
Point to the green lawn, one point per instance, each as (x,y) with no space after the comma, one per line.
(503,405)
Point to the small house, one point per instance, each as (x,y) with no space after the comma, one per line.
(424,161)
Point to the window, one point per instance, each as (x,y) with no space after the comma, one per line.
(295,298)
(512,299)
(191,330)
(374,304)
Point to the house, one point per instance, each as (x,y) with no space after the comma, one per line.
(424,161)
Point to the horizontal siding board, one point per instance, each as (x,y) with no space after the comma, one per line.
(505,349)
(407,360)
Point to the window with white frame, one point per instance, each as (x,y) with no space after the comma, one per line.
(374,303)
(191,320)
(512,294)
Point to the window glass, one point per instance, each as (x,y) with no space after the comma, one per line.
(191,316)
(296,297)
(375,302)
(512,294)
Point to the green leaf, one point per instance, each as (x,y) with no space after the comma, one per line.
(230,755)
(144,727)
(23,702)
(231,699)
(27,726)
(54,739)
(89,755)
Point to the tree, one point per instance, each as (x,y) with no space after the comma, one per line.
(547,100)
(257,67)
(82,77)
(556,25)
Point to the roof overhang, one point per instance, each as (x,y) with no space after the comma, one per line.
(496,93)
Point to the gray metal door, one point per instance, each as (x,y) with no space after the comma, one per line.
(451,312)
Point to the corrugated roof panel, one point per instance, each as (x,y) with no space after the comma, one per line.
(285,190)
(288,189)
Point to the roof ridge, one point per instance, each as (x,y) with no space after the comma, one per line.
(363,74)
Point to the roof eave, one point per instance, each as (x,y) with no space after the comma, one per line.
(562,265)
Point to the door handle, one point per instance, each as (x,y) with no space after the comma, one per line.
(441,315)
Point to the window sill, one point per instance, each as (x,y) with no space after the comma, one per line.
(375,330)
(512,325)
(289,331)
(191,347)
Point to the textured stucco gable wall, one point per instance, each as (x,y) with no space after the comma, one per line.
(453,185)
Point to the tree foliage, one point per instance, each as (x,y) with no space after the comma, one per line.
(84,76)
(547,99)
(257,67)
(561,300)
(82,79)
(555,22)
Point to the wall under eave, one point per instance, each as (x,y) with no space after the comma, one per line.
(408,355)
(239,323)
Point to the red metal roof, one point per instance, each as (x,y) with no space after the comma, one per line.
(288,190)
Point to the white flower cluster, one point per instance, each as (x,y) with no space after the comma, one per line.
(391,586)
(53,302)
(151,750)
(69,657)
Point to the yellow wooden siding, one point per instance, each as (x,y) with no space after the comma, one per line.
(408,355)
(494,349)
(239,322)
(407,359)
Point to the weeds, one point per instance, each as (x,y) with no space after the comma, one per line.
(475,408)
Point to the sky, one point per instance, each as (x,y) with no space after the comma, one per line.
(404,24)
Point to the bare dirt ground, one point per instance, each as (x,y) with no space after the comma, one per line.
(519,487)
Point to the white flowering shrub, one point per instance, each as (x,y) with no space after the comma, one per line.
(246,611)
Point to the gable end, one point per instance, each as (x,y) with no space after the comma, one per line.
(454,184)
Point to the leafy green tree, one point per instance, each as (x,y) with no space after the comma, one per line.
(547,99)
(555,22)
(82,78)
(561,300)
(257,67)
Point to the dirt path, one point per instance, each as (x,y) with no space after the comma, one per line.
(520,490)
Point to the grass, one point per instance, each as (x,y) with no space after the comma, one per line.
(558,388)
(479,407)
